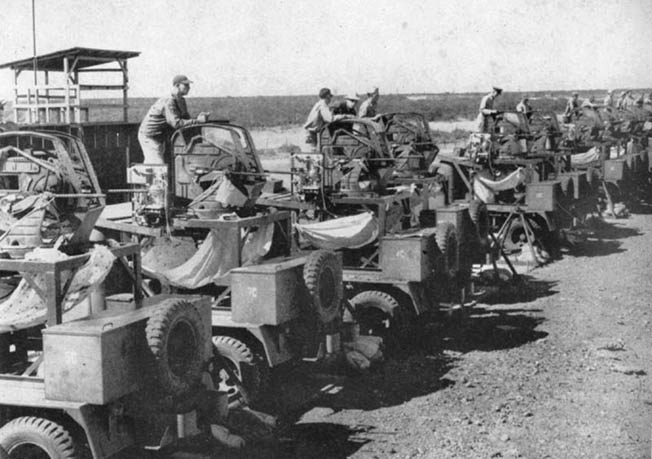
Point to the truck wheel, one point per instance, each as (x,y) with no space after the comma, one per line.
(446,238)
(241,362)
(515,237)
(32,437)
(322,275)
(376,312)
(175,335)
(480,218)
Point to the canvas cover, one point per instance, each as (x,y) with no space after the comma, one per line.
(25,308)
(485,188)
(589,157)
(213,259)
(349,232)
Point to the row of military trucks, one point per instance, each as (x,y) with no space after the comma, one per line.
(218,273)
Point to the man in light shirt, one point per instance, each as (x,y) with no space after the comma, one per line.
(487,109)
(572,107)
(320,115)
(524,107)
(608,101)
(367,108)
(166,115)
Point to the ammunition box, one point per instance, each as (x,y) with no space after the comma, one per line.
(543,196)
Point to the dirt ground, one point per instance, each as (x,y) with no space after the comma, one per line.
(560,368)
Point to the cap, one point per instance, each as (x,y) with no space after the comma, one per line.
(179,79)
(352,97)
(610,91)
(324,92)
(575,93)
(497,89)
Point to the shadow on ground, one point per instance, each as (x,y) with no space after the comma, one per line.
(605,239)
(524,289)
(490,330)
(300,441)
(613,229)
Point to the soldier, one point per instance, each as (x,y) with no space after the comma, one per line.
(320,115)
(608,101)
(167,114)
(572,107)
(625,100)
(487,109)
(346,106)
(368,106)
(524,107)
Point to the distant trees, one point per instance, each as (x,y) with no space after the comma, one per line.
(268,111)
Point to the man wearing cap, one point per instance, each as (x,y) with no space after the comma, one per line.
(166,115)
(367,108)
(524,107)
(320,115)
(346,106)
(572,107)
(487,109)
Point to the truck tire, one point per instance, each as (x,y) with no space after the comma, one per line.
(446,238)
(175,335)
(376,312)
(252,383)
(480,217)
(30,436)
(322,275)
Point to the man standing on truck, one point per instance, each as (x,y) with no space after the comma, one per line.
(572,107)
(320,115)
(487,109)
(524,107)
(368,106)
(166,115)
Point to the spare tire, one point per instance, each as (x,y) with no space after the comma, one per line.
(376,312)
(22,437)
(322,274)
(446,238)
(480,218)
(176,338)
(250,385)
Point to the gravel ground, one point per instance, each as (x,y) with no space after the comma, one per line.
(559,368)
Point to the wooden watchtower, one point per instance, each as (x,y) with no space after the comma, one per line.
(40,102)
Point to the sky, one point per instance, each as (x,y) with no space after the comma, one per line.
(277,47)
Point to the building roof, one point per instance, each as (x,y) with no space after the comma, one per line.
(86,57)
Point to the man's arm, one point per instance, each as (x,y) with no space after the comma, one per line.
(177,116)
(326,113)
